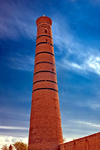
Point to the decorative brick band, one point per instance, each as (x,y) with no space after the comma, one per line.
(44,22)
(51,81)
(44,71)
(45,62)
(44,81)
(44,52)
(44,89)
(44,43)
(39,81)
(44,35)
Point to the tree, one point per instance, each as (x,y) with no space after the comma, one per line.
(4,147)
(20,146)
(10,147)
(64,140)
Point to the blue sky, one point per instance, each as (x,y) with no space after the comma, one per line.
(76,36)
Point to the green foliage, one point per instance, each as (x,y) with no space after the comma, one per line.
(20,146)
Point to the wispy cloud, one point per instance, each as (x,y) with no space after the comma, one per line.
(67,64)
(87,124)
(94,105)
(17,19)
(3,110)
(13,128)
(78,128)
(93,64)
(62,37)
(74,55)
(91,104)
(21,62)
(89,64)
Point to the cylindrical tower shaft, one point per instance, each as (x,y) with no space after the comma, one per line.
(45,131)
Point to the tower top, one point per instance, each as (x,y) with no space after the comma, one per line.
(43,19)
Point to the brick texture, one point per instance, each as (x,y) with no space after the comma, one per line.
(91,142)
(45,131)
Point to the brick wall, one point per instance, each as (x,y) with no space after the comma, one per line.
(91,142)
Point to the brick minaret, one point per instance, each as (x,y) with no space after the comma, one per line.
(45,131)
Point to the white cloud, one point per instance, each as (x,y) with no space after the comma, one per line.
(86,58)
(76,66)
(93,64)
(13,128)
(11,140)
(87,124)
(66,64)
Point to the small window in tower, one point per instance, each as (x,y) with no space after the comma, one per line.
(45,30)
(52,69)
(46,40)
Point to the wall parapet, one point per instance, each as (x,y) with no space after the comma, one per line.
(91,142)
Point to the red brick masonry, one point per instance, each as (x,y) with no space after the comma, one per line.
(45,131)
(91,142)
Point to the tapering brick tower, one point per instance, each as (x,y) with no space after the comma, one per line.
(45,131)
